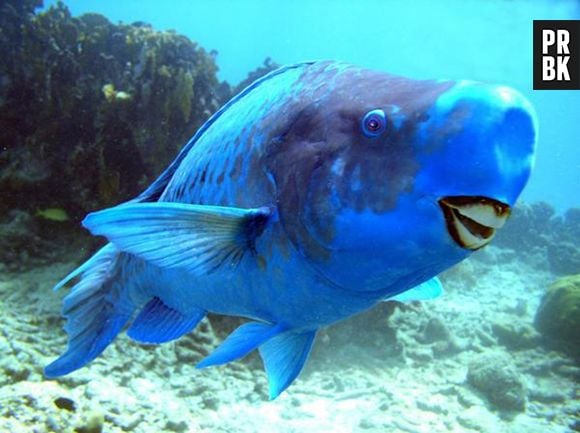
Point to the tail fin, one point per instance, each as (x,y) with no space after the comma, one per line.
(96,310)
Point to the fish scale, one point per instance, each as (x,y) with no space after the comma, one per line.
(317,192)
(228,143)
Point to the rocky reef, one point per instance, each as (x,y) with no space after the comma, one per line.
(91,111)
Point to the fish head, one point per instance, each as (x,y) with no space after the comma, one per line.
(384,182)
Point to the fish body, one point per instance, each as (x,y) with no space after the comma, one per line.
(319,191)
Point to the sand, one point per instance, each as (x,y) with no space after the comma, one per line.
(394,369)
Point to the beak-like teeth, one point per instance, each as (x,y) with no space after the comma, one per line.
(486,214)
(472,221)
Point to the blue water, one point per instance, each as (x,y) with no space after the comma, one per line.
(475,39)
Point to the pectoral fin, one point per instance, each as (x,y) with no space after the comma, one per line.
(430,289)
(169,235)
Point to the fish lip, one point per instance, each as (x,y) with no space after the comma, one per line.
(472,221)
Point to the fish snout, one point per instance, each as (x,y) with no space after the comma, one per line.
(484,146)
(473,221)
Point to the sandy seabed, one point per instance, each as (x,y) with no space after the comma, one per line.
(394,369)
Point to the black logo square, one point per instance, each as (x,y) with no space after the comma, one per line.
(556,55)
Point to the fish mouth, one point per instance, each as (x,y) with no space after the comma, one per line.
(473,221)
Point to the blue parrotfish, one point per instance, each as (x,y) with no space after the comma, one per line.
(319,191)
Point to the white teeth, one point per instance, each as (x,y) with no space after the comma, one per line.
(468,239)
(473,221)
(484,214)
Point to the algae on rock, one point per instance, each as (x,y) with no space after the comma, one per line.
(558,316)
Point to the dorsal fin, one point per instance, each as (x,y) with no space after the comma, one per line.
(154,191)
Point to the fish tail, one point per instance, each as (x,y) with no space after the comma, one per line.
(96,309)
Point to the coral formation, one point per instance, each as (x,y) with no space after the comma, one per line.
(91,111)
(496,377)
(558,316)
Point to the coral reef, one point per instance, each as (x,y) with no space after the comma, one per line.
(558,316)
(535,230)
(91,111)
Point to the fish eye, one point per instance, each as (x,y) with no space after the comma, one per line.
(374,123)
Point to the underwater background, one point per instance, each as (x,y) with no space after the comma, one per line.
(85,129)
